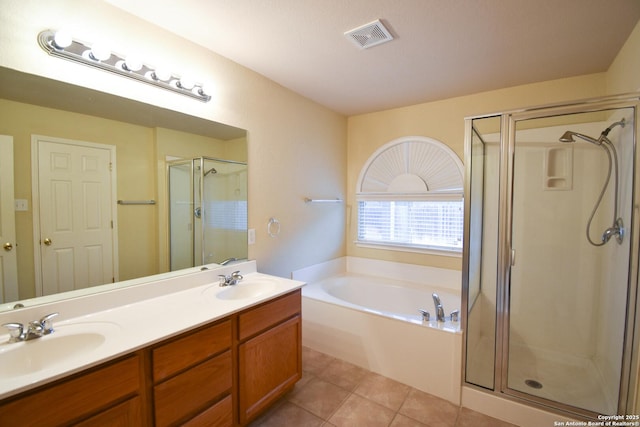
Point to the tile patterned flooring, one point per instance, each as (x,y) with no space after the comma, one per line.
(335,393)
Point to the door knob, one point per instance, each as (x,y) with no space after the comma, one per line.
(7,246)
(47,241)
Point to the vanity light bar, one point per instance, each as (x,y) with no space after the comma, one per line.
(61,45)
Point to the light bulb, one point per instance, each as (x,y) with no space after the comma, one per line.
(100,52)
(162,74)
(62,39)
(133,63)
(186,82)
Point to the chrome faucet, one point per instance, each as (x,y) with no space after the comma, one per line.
(228,260)
(439,308)
(231,280)
(35,329)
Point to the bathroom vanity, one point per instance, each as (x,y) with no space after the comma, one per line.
(220,372)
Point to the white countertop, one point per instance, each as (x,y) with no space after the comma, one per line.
(130,318)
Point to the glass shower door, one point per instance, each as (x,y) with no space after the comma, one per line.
(181,215)
(224,210)
(567,296)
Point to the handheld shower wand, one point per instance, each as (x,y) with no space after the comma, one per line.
(617,228)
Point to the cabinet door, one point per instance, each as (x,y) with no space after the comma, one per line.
(270,364)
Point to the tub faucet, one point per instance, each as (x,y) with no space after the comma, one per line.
(439,308)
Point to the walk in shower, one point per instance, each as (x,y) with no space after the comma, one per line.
(551,256)
(207,211)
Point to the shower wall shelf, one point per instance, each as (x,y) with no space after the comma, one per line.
(558,168)
(136,202)
(308,200)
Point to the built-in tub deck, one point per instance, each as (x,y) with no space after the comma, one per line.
(373,320)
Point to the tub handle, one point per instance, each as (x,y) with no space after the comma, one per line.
(425,314)
(455,314)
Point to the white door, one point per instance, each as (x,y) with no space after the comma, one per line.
(8,257)
(76,199)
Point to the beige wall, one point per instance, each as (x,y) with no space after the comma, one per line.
(444,121)
(296,148)
(623,75)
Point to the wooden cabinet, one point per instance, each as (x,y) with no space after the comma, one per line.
(191,374)
(125,414)
(269,354)
(108,395)
(223,374)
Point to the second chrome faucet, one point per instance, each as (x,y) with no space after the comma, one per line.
(231,280)
(35,329)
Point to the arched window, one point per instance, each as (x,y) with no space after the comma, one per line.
(410,197)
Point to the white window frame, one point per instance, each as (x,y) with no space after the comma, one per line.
(454,192)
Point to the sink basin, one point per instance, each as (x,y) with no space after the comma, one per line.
(66,344)
(249,288)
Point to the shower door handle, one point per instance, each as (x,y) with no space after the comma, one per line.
(513,257)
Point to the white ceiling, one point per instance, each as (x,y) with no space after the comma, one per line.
(442,48)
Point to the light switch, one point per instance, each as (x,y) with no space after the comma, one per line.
(21,205)
(251,236)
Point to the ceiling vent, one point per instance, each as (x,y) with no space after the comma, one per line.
(369,35)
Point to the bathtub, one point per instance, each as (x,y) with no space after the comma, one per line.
(366,312)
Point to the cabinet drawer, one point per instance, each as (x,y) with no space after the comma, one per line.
(219,415)
(192,391)
(190,349)
(75,398)
(266,315)
(126,414)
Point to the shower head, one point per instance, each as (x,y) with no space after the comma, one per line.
(212,170)
(568,137)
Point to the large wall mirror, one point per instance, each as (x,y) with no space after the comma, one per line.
(40,116)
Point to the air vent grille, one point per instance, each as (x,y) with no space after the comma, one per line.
(369,35)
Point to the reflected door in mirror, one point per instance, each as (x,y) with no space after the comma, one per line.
(75,199)
(8,261)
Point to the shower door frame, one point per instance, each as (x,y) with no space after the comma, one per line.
(630,363)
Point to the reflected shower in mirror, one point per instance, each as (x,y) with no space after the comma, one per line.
(207,211)
(143,138)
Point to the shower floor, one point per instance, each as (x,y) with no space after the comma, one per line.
(566,379)
(563,378)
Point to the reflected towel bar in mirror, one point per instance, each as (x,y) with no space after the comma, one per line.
(308,200)
(136,202)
